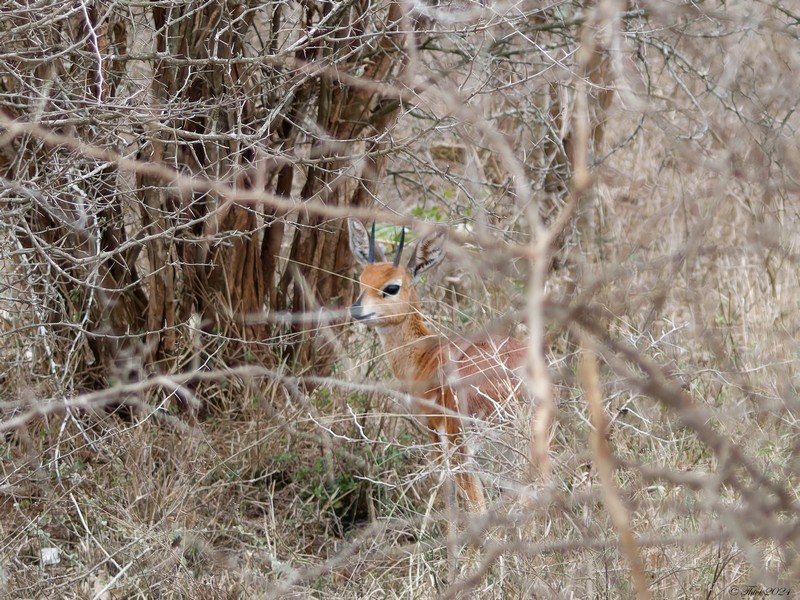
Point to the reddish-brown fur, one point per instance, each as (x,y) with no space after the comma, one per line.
(452,379)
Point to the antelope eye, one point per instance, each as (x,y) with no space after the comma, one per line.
(391,290)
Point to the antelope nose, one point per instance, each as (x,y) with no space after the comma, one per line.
(356,310)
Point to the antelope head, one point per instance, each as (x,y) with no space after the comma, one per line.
(388,295)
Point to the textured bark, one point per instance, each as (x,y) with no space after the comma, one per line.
(66,230)
(320,253)
(165,252)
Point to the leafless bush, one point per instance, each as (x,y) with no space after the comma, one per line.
(186,410)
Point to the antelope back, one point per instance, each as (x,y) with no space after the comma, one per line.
(471,377)
(484,373)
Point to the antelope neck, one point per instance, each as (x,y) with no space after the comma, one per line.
(401,344)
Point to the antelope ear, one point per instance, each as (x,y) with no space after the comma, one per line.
(428,253)
(359,241)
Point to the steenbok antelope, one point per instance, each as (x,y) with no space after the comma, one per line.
(452,379)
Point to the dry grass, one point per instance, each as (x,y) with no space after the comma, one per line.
(679,270)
